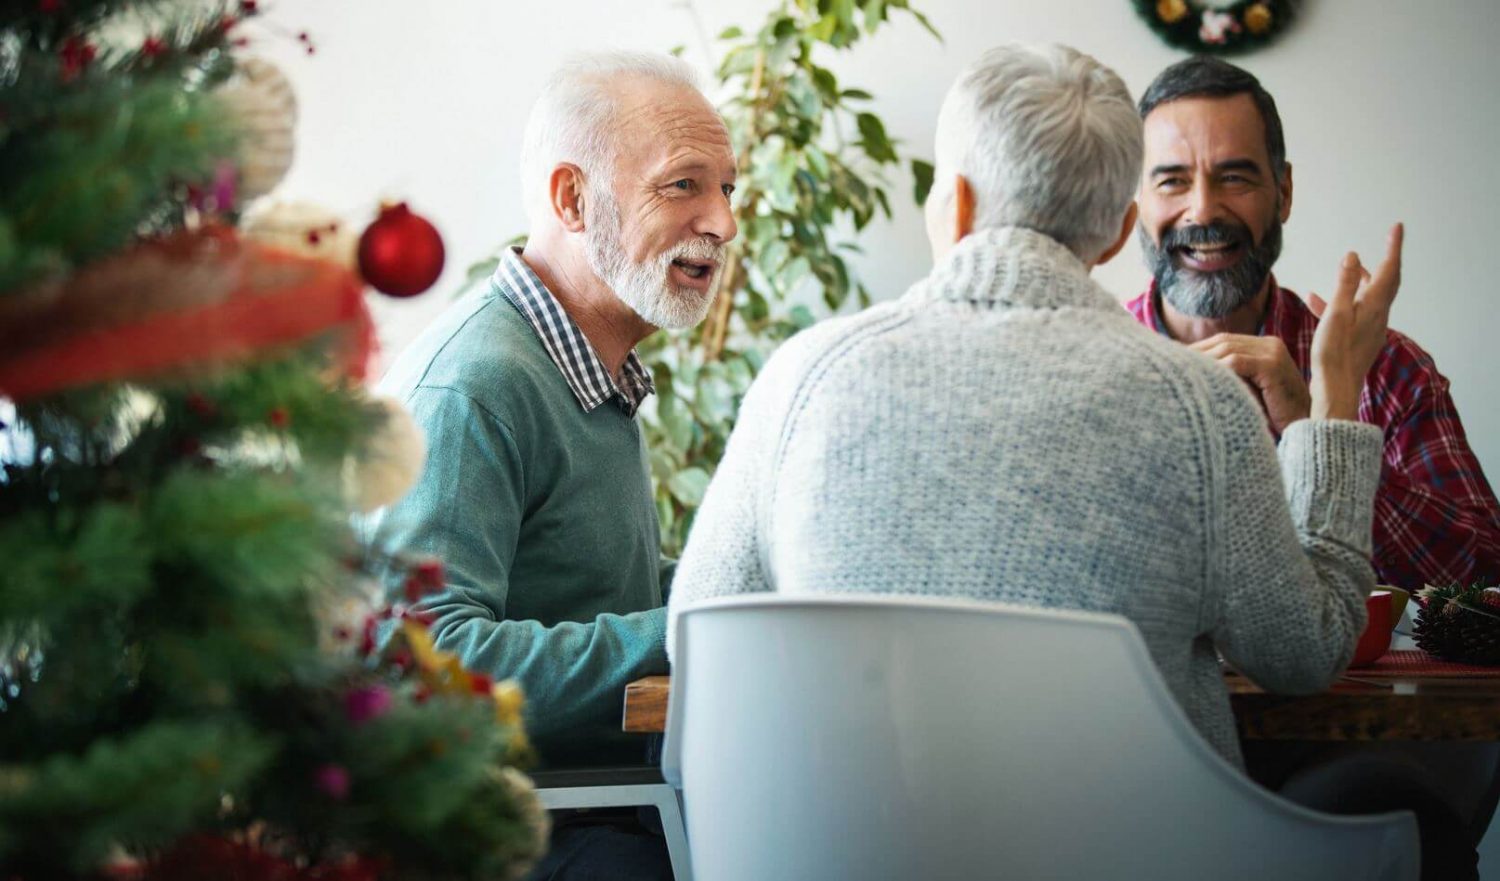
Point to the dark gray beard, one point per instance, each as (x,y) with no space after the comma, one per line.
(1211,294)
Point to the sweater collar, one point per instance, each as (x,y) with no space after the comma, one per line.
(1013,267)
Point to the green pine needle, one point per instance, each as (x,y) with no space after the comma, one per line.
(143,788)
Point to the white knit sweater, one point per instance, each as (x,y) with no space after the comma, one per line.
(1005,431)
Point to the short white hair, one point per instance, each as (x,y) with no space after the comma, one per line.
(576,113)
(1049,139)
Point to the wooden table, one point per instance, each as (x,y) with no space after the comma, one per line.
(1410,708)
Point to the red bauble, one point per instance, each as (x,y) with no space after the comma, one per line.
(400,254)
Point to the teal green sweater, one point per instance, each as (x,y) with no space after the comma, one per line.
(543,515)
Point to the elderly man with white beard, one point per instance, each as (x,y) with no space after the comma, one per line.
(537,495)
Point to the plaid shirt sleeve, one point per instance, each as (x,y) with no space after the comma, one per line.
(1436,517)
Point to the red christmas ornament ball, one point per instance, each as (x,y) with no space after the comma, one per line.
(400,253)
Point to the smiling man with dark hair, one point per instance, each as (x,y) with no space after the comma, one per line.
(1215,192)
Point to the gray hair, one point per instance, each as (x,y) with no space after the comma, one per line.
(1049,139)
(576,113)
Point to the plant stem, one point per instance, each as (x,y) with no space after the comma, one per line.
(716,333)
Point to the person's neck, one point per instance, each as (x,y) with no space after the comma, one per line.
(1191,328)
(610,326)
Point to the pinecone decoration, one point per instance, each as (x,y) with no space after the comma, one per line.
(1460,624)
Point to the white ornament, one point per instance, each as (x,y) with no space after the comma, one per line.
(260,100)
(521,793)
(341,614)
(391,461)
(302,228)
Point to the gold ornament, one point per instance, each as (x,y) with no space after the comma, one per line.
(508,699)
(1258,18)
(260,100)
(441,671)
(1171,11)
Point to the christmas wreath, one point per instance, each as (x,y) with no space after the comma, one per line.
(1222,29)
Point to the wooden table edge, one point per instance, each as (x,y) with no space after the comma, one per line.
(1419,710)
(646,705)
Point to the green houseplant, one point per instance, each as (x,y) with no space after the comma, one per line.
(813,162)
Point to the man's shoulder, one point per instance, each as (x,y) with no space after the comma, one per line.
(1404,370)
(480,347)
(1401,348)
(834,338)
(798,362)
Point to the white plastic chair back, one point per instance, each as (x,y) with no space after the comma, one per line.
(897,738)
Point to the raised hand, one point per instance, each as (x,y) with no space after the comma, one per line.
(1352,330)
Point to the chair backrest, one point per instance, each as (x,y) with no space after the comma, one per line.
(900,738)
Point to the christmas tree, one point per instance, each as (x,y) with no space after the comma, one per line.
(189,684)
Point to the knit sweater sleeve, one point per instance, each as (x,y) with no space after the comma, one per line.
(726,552)
(1295,546)
(467,509)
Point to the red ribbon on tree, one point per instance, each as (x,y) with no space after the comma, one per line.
(191,301)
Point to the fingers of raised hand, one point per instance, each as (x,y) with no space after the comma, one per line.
(1316,304)
(1380,290)
(1351,271)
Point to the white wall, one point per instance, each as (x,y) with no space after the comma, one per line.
(1390,110)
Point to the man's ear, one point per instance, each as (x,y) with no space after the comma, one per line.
(565,195)
(1285,188)
(1131,214)
(963,208)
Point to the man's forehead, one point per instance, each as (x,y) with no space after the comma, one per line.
(1205,128)
(680,128)
(680,158)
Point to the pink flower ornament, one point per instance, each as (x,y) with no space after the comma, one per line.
(1217,26)
(363,704)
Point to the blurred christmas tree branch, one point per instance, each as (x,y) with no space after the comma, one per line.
(189,679)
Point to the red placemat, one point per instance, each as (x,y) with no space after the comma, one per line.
(1415,662)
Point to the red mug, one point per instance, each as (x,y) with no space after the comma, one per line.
(1376,639)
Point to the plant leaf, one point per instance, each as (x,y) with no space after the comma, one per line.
(688,486)
(921,172)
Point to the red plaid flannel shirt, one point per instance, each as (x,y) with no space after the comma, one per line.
(1436,518)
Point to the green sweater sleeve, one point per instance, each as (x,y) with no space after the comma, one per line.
(467,509)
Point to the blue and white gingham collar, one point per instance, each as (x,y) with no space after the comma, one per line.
(565,343)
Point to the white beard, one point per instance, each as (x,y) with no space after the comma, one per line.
(645,286)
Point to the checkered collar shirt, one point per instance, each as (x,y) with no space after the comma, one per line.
(569,349)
